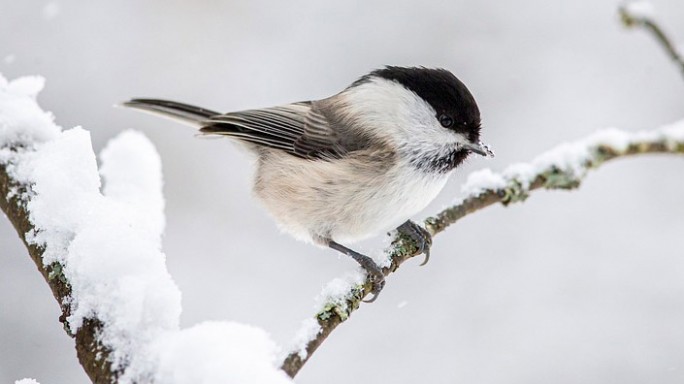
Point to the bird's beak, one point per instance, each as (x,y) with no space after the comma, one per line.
(479,148)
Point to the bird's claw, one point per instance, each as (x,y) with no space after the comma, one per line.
(377,278)
(420,236)
(374,272)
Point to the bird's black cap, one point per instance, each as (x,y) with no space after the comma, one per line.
(441,89)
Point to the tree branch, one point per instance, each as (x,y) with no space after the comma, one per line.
(631,17)
(91,354)
(94,233)
(552,170)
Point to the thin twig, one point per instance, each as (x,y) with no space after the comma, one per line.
(631,20)
(516,188)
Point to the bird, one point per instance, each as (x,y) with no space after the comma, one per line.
(341,169)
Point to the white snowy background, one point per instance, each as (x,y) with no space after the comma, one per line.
(586,286)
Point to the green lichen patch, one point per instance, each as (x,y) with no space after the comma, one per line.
(56,272)
(558,179)
(514,193)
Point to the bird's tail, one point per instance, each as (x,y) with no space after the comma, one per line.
(185,113)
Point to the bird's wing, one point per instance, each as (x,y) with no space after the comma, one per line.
(300,129)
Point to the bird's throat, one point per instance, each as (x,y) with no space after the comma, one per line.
(441,160)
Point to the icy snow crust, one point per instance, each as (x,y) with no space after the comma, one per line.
(105,229)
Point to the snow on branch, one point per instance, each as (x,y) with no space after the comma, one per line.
(99,249)
(642,14)
(561,168)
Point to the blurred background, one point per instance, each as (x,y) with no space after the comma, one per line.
(569,287)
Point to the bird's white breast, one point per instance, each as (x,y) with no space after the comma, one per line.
(314,200)
(404,192)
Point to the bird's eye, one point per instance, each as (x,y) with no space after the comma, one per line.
(446,121)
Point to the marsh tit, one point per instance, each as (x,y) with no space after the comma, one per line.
(361,162)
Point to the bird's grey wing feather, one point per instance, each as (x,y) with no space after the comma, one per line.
(300,129)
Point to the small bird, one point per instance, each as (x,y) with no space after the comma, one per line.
(361,162)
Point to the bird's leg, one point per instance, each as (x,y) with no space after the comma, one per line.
(420,235)
(373,270)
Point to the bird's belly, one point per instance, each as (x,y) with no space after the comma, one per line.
(312,204)
(388,206)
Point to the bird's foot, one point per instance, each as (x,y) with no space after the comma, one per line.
(377,278)
(375,274)
(420,236)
